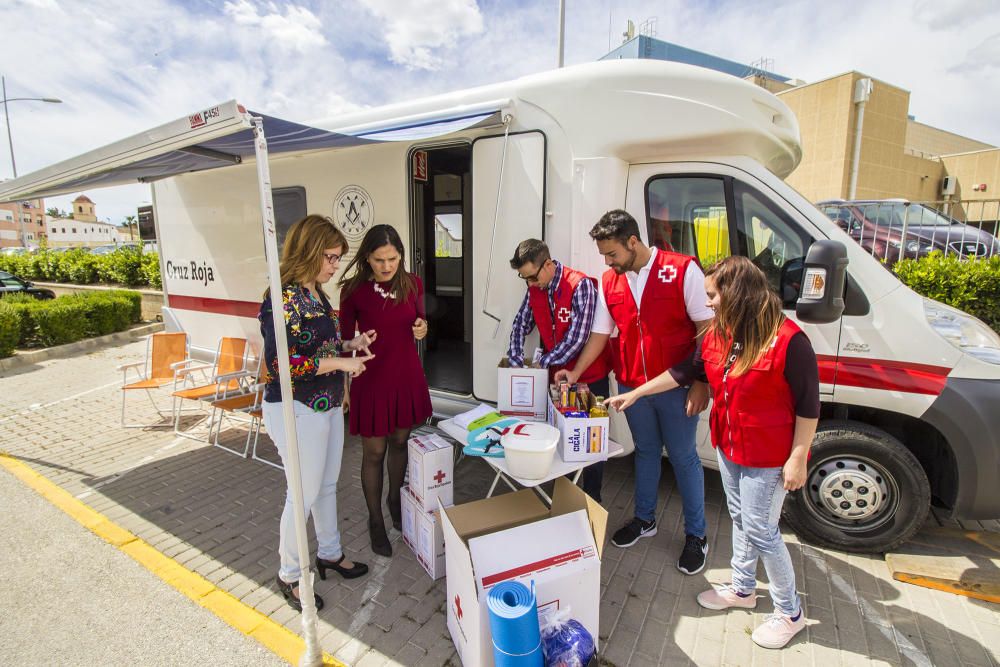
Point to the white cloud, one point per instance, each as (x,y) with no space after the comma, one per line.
(939,15)
(419,31)
(296,29)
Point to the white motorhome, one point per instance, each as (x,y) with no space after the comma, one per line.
(909,387)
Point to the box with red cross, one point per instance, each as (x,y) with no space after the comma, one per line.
(431,467)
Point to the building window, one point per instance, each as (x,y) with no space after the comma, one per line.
(80,209)
(63,230)
(74,230)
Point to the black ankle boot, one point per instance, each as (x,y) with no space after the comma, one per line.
(379,538)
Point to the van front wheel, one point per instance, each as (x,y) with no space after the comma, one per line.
(864,491)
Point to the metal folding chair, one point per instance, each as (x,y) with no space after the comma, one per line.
(165,353)
(229,374)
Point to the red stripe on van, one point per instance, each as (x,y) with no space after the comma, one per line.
(882,374)
(538,566)
(219,306)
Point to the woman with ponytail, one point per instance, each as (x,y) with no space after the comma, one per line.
(765,387)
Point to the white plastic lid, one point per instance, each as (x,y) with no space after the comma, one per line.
(530,437)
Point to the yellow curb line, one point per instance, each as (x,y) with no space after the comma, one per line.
(274,636)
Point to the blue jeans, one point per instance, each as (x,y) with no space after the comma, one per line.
(754,496)
(654,421)
(321,448)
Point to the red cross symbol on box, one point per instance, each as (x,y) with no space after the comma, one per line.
(439,477)
(667,274)
(458,606)
(563,315)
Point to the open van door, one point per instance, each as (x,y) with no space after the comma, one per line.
(509,170)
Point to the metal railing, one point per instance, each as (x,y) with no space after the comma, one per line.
(892,230)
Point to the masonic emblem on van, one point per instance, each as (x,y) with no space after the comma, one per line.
(353,211)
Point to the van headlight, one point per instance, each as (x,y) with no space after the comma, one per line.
(964,331)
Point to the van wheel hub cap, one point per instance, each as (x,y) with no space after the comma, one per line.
(850,489)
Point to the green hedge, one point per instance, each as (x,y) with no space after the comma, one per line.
(125,266)
(10,328)
(970,286)
(31,323)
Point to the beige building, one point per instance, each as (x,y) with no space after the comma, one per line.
(22,223)
(897,157)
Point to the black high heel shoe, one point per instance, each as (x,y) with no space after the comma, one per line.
(288,590)
(322,565)
(380,540)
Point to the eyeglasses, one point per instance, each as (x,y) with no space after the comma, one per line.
(532,278)
(331,257)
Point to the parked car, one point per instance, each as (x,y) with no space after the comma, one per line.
(878,225)
(13,250)
(11,284)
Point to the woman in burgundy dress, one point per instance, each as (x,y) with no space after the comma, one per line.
(391,397)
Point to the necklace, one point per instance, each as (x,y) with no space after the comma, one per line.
(385,295)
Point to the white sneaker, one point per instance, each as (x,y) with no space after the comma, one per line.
(726,597)
(778,629)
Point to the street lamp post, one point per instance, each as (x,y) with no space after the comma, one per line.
(10,142)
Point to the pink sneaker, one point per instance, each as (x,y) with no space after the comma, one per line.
(777,630)
(726,597)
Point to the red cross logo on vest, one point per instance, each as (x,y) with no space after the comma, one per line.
(667,274)
(439,477)
(563,315)
(458,606)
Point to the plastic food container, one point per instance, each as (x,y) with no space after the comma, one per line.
(529,448)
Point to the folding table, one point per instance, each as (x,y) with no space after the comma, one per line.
(499,464)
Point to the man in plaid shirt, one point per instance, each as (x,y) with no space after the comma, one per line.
(561,303)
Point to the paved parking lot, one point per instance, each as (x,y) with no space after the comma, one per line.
(217,515)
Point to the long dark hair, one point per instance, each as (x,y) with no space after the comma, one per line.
(402,285)
(749,311)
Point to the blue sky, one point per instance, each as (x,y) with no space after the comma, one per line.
(123,67)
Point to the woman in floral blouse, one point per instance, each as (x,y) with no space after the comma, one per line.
(309,259)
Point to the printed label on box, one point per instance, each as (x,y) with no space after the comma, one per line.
(522,391)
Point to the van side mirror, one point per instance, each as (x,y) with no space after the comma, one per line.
(821,296)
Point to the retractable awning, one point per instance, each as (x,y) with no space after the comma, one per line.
(221,136)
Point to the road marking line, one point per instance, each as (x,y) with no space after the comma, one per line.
(275,637)
(40,406)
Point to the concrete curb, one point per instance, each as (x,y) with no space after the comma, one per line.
(72,349)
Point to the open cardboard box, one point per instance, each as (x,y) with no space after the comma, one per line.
(516,537)
(583,438)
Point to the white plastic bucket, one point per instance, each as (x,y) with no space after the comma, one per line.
(529,448)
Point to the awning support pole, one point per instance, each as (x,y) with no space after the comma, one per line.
(312,655)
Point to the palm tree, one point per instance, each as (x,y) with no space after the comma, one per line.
(130,220)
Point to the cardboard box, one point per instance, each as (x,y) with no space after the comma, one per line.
(522,392)
(431,466)
(516,537)
(583,438)
(422,533)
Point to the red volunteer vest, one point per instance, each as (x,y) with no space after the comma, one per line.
(753,415)
(552,333)
(656,335)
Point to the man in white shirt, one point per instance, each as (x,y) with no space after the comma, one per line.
(656,301)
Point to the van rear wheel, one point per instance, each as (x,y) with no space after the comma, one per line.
(864,491)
